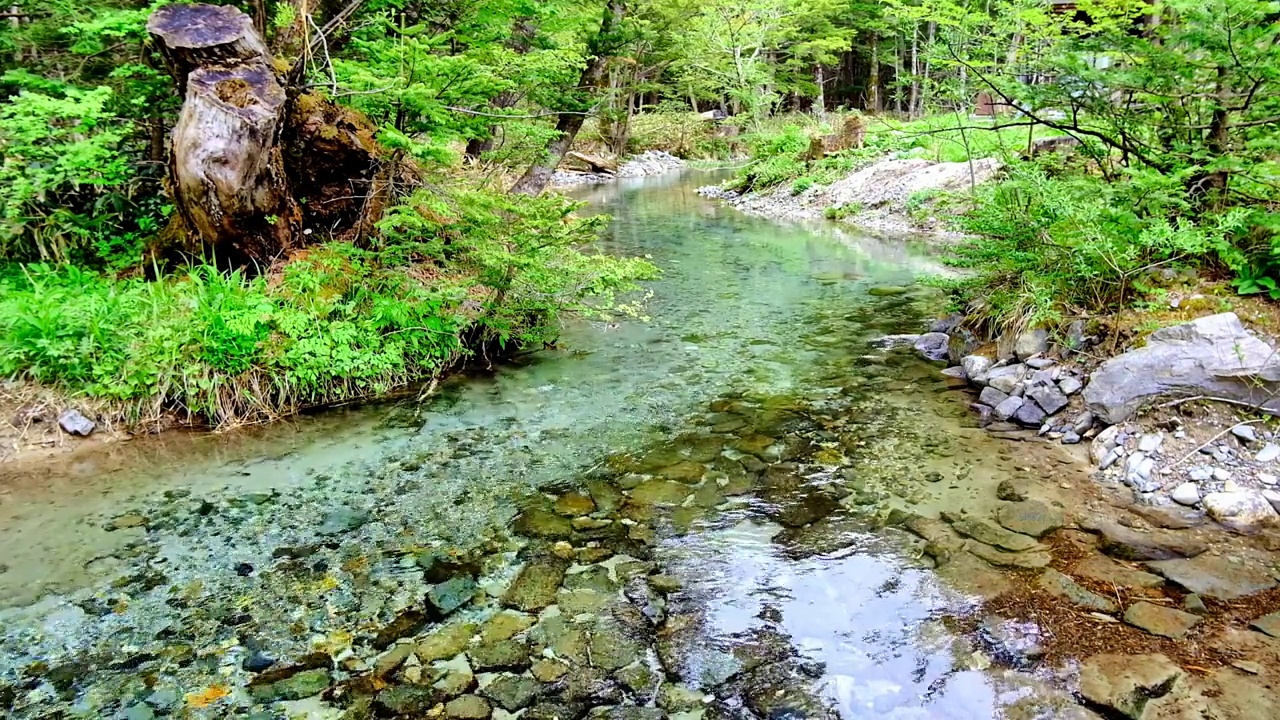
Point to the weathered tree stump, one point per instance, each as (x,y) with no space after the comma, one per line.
(227,173)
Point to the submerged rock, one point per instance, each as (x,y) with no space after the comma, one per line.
(1212,356)
(537,584)
(1126,683)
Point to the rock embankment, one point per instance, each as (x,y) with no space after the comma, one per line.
(1218,464)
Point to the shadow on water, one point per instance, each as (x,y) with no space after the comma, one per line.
(692,516)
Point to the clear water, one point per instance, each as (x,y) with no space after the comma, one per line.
(744,308)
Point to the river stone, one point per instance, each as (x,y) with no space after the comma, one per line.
(1010,641)
(886,290)
(508,654)
(782,690)
(1109,572)
(1011,490)
(548,670)
(296,687)
(1031,342)
(1126,683)
(512,692)
(612,647)
(405,624)
(1070,385)
(1158,620)
(933,346)
(677,698)
(1055,583)
(452,677)
(584,602)
(660,492)
(991,397)
(1188,493)
(408,699)
(539,522)
(1269,624)
(468,707)
(572,504)
(1006,378)
(342,520)
(1214,576)
(607,497)
(1129,544)
(1048,397)
(1030,560)
(1269,453)
(992,534)
(1008,408)
(451,594)
(537,584)
(1030,414)
(1243,510)
(1211,356)
(560,637)
(73,422)
(639,678)
(595,578)
(445,642)
(591,685)
(976,366)
(626,712)
(1030,517)
(387,662)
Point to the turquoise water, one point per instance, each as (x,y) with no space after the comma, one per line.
(159,566)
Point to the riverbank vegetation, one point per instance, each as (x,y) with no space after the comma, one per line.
(347,198)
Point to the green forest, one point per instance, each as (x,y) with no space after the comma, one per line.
(232,212)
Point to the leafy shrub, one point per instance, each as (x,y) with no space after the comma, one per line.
(1045,247)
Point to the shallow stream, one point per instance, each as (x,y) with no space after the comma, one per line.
(688,514)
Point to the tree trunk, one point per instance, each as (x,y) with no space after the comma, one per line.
(915,70)
(243,149)
(819,102)
(873,76)
(226,171)
(568,124)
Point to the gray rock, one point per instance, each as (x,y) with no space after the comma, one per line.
(1040,363)
(1007,408)
(976,366)
(1055,583)
(1124,684)
(1030,414)
(992,534)
(1030,517)
(1032,342)
(1268,479)
(1221,474)
(1125,543)
(947,324)
(511,692)
(413,700)
(1082,423)
(1150,443)
(991,396)
(1048,397)
(1070,437)
(1070,385)
(983,411)
(1011,490)
(1272,497)
(537,584)
(1158,620)
(1200,473)
(1016,643)
(1006,378)
(1212,355)
(933,346)
(1245,433)
(1240,510)
(962,343)
(1214,576)
(1268,453)
(1111,458)
(1187,493)
(73,422)
(956,372)
(1269,624)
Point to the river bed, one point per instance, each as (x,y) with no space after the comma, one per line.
(691,514)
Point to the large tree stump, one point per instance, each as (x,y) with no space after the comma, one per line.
(226,170)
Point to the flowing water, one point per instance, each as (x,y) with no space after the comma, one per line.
(693,509)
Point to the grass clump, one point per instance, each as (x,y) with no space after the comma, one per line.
(452,276)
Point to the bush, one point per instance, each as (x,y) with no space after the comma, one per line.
(1050,247)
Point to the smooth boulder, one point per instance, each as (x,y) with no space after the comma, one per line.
(1212,356)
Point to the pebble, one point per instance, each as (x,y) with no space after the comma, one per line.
(1245,433)
(1200,473)
(1221,474)
(1269,453)
(1150,443)
(1186,494)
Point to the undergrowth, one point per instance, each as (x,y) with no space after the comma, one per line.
(452,276)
